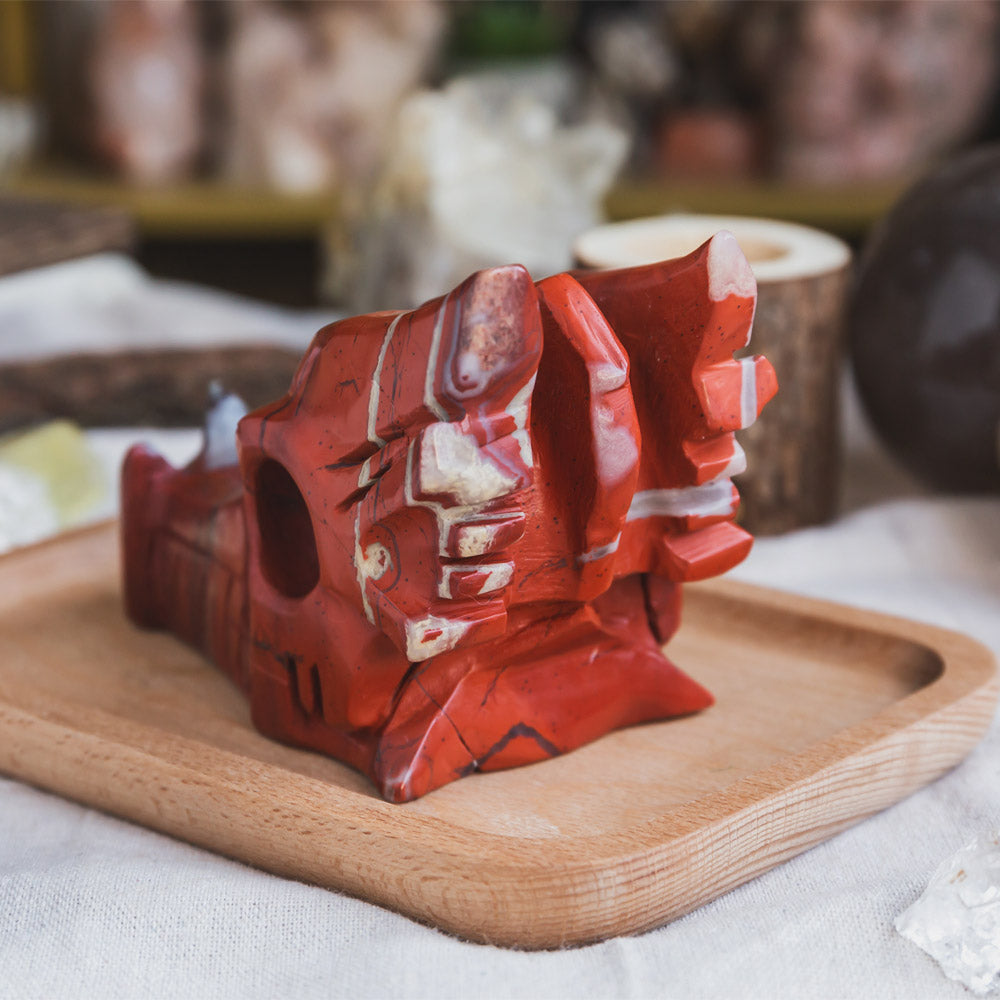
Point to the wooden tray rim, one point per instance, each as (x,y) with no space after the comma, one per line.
(968,671)
(967,666)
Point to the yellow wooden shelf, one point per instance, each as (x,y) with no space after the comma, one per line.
(846,211)
(201,209)
(194,209)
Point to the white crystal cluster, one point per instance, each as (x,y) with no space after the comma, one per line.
(488,170)
(957,919)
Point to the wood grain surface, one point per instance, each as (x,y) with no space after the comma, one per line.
(793,449)
(150,387)
(35,233)
(825,714)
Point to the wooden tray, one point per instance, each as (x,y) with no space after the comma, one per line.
(825,714)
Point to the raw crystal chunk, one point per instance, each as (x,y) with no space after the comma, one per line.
(49,481)
(489,169)
(957,919)
(57,456)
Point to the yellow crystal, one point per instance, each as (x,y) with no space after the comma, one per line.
(57,453)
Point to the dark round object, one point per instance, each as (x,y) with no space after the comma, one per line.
(925,326)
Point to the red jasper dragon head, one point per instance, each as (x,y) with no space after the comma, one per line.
(457,542)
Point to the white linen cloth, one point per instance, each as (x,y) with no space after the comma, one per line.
(106,302)
(91,906)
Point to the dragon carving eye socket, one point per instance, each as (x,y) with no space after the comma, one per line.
(288,554)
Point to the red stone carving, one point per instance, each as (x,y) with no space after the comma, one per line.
(457,543)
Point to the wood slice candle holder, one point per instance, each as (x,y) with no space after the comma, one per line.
(794,449)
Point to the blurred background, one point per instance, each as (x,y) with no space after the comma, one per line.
(254,143)
(190,188)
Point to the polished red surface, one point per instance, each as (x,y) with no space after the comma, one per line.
(457,543)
